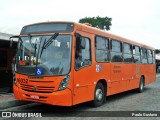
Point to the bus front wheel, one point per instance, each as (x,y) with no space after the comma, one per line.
(98,95)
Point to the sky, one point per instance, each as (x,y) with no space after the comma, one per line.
(138,20)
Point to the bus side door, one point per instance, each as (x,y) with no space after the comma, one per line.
(84,69)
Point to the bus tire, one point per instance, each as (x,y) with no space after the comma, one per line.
(141,85)
(98,95)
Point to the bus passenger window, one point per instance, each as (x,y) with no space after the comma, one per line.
(83,54)
(116,51)
(150,55)
(102,49)
(144,56)
(127,53)
(136,54)
(153,56)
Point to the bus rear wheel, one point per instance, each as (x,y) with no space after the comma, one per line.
(141,85)
(99,95)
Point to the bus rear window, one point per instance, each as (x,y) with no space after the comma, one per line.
(47,27)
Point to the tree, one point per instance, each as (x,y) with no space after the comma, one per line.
(103,23)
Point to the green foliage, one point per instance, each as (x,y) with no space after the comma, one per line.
(103,23)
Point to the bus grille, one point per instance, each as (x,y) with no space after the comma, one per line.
(37,89)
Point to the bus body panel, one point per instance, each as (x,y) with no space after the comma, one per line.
(61,98)
(117,84)
(134,82)
(44,88)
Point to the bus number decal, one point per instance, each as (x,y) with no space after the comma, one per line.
(22,80)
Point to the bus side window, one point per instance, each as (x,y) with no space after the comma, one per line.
(127,48)
(136,54)
(83,54)
(144,56)
(116,51)
(153,55)
(150,56)
(102,49)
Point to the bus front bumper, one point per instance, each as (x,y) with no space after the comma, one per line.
(60,98)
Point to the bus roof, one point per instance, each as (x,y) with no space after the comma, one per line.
(103,33)
(93,30)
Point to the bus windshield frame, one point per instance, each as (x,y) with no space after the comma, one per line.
(54,60)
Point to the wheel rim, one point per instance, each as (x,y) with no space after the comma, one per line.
(99,94)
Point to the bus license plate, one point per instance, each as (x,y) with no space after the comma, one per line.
(34,96)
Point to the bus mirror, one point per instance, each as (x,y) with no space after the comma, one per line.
(13,39)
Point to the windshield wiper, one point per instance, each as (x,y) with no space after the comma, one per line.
(48,42)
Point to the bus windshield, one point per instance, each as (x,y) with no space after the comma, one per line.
(52,60)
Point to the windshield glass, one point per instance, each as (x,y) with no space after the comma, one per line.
(35,59)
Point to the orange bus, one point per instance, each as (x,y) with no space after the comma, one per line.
(67,63)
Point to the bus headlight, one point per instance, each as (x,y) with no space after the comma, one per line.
(64,83)
(14,81)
